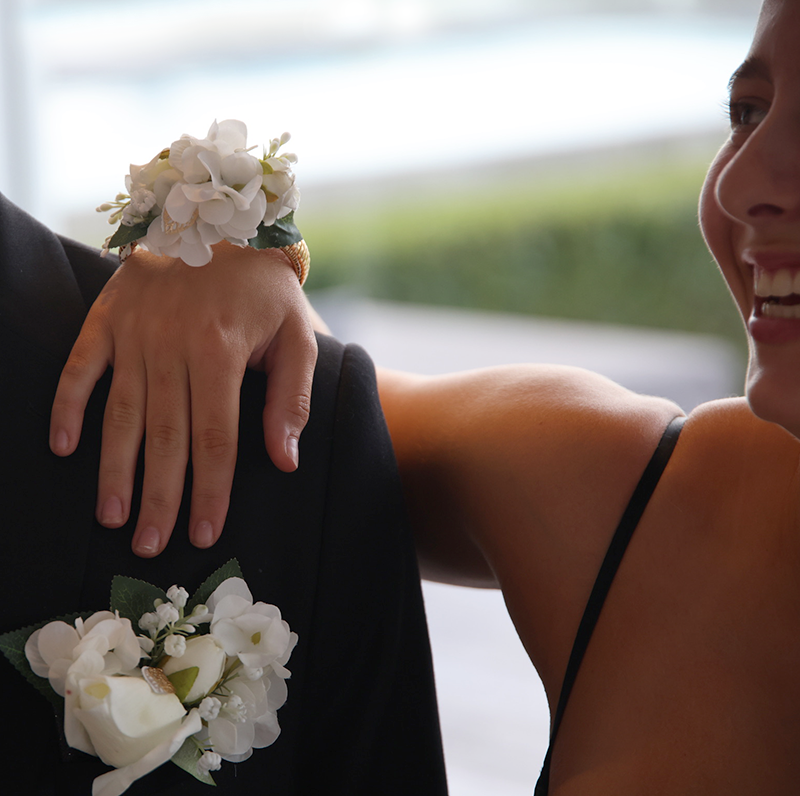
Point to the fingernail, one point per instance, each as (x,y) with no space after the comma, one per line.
(148,541)
(112,512)
(293,450)
(61,442)
(203,534)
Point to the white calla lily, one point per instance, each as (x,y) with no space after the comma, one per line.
(123,718)
(114,783)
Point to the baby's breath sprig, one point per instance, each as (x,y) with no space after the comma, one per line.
(168,625)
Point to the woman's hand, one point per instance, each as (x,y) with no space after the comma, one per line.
(179,339)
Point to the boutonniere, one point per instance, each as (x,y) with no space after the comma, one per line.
(201,684)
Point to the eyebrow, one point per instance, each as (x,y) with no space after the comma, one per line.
(751,68)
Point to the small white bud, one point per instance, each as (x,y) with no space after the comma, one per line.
(148,621)
(199,614)
(175,646)
(209,708)
(177,595)
(167,614)
(209,761)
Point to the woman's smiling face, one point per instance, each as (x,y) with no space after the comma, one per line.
(750,211)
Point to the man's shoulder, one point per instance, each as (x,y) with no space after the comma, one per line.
(47,282)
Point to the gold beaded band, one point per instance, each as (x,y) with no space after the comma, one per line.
(300,258)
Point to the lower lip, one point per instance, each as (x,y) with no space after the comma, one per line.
(773,331)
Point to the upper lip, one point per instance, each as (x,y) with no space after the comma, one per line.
(771,259)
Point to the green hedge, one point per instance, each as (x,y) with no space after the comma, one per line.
(617,246)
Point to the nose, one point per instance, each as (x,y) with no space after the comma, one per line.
(760,184)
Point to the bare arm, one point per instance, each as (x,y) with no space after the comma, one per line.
(510,471)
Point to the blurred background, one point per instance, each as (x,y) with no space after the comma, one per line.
(483,181)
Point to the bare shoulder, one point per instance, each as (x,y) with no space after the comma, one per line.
(727,436)
(536,416)
(524,461)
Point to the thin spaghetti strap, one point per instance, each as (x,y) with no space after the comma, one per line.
(605,577)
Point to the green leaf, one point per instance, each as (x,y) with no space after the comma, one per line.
(282,233)
(126,234)
(183,681)
(229,570)
(132,598)
(186,758)
(12,645)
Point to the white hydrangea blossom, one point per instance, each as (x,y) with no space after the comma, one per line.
(255,633)
(201,191)
(104,642)
(258,643)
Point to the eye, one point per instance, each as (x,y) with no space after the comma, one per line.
(746,114)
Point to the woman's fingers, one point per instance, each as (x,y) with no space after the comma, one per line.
(90,356)
(215,428)
(166,454)
(123,427)
(179,339)
(289,364)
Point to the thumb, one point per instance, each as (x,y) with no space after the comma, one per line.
(289,364)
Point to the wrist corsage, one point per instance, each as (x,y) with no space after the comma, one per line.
(202,684)
(198,192)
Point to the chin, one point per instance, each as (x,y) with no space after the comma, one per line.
(774,396)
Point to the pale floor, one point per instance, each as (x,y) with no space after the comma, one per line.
(494,715)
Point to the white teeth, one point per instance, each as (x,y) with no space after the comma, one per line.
(780,310)
(763,283)
(782,282)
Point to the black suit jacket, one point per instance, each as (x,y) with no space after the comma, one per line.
(328,544)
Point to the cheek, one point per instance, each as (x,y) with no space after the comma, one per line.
(719,232)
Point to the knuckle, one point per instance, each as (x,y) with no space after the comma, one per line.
(212,443)
(76,366)
(215,339)
(307,341)
(208,497)
(157,503)
(301,407)
(164,439)
(123,414)
(114,473)
(297,407)
(63,404)
(226,349)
